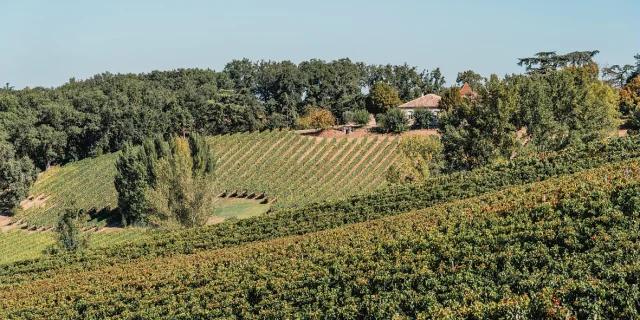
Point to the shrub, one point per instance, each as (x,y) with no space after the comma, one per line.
(422,118)
(316,119)
(395,121)
(68,232)
(359,116)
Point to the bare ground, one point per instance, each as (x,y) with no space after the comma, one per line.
(33,201)
(361,133)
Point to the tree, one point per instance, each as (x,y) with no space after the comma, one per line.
(242,74)
(68,230)
(277,121)
(317,119)
(395,120)
(450,98)
(183,194)
(476,132)
(617,76)
(566,107)
(630,97)
(382,98)
(544,62)
(422,118)
(418,160)
(134,176)
(17,174)
(166,184)
(336,85)
(473,79)
(433,82)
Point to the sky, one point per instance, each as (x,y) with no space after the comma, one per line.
(45,43)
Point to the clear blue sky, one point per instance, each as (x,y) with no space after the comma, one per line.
(47,42)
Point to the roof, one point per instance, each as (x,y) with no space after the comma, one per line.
(427,101)
(466,89)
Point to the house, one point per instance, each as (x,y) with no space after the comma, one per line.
(429,101)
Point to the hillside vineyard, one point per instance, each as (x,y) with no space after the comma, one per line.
(281,167)
(324,190)
(459,258)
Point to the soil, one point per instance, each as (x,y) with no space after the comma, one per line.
(33,201)
(215,220)
(5,223)
(361,133)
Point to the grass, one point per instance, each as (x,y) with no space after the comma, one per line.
(229,208)
(17,245)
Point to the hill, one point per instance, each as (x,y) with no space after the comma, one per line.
(541,250)
(280,167)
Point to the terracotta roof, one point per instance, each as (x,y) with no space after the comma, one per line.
(465,90)
(429,101)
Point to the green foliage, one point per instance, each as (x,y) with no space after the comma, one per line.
(544,62)
(316,119)
(630,97)
(473,79)
(277,121)
(395,120)
(544,112)
(17,174)
(382,98)
(133,178)
(451,98)
(476,132)
(166,184)
(418,160)
(68,231)
(359,117)
(568,107)
(423,118)
(183,191)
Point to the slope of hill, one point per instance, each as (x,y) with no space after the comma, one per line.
(382,203)
(279,166)
(17,245)
(544,250)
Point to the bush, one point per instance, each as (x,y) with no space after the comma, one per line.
(422,118)
(359,117)
(316,119)
(68,232)
(395,121)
